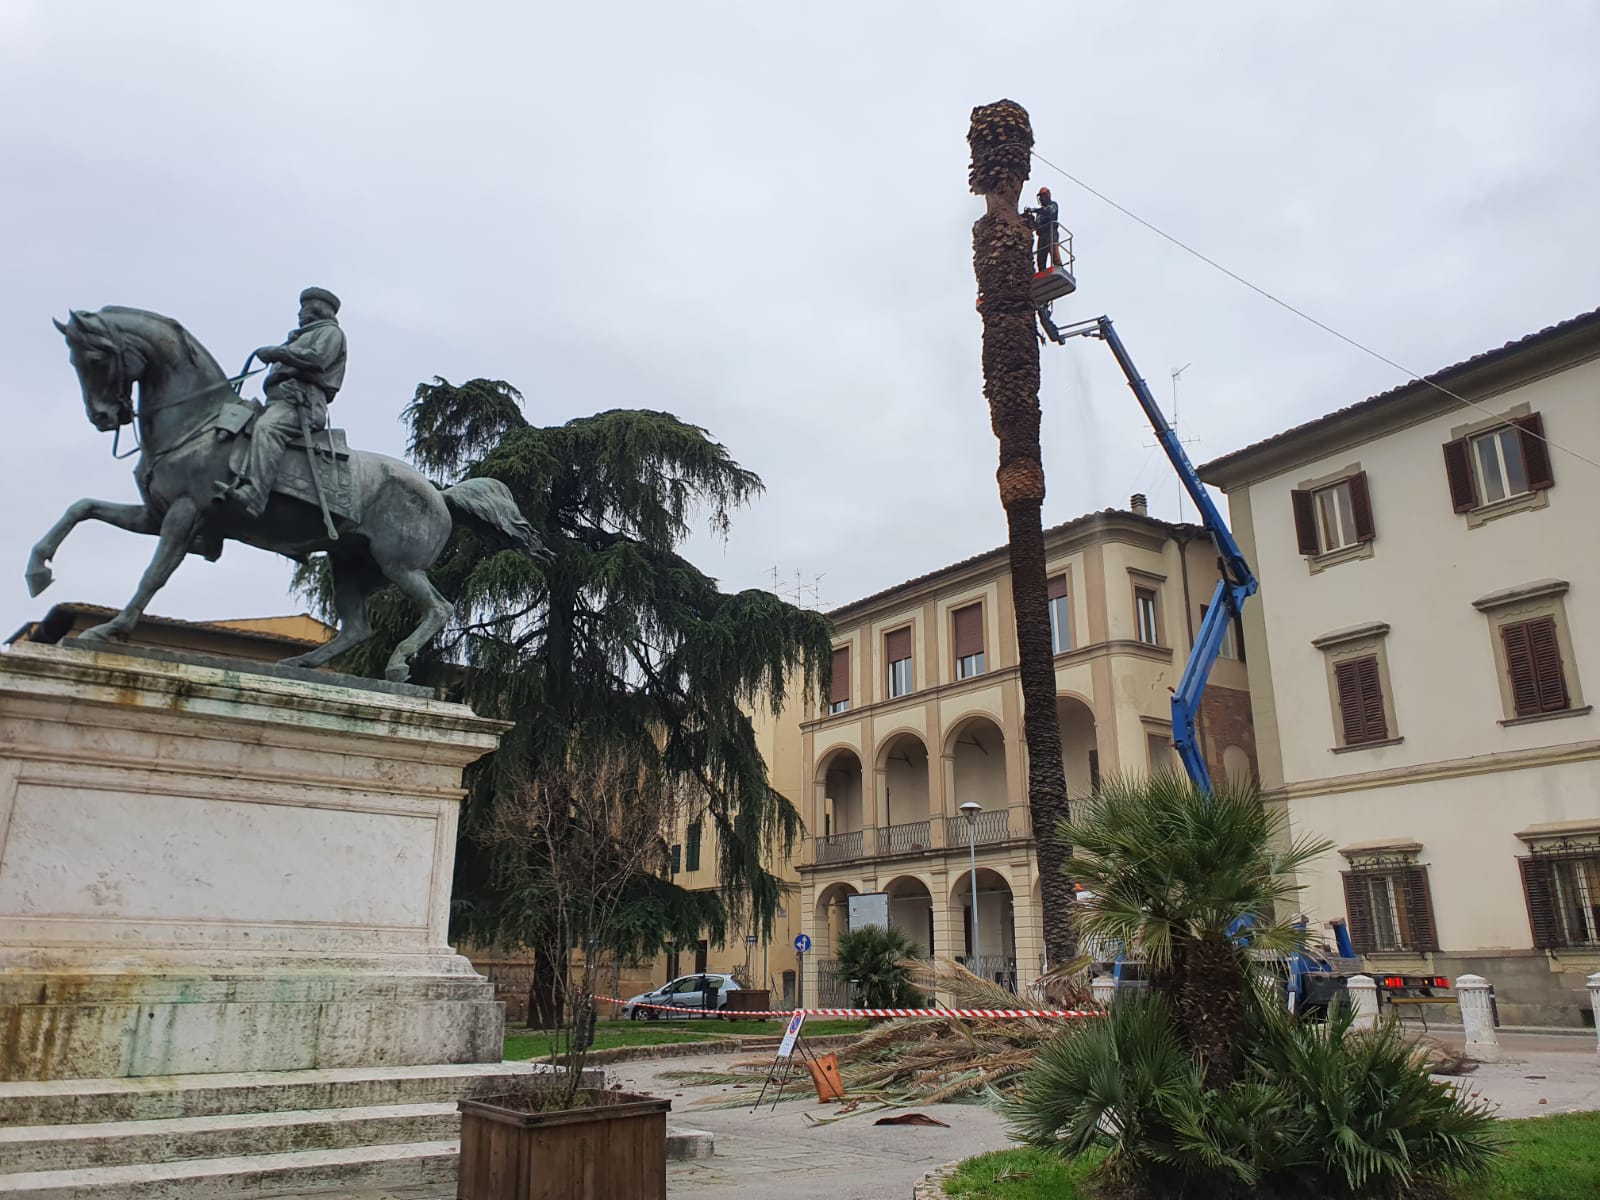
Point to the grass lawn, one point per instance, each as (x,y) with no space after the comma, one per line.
(609,1035)
(1551,1158)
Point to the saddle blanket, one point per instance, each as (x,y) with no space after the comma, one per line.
(335,469)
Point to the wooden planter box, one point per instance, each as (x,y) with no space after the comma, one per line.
(614,1151)
(748,1000)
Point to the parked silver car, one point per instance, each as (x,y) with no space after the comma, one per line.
(687,992)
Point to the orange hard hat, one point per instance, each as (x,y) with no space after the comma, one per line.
(1045,192)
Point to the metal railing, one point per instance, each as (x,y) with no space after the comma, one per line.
(839,847)
(904,839)
(993,825)
(994,968)
(833,989)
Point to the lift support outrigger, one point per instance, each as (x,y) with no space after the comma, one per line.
(1237,582)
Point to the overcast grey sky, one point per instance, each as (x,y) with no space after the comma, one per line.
(756,216)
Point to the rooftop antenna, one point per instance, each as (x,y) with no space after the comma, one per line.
(1177,371)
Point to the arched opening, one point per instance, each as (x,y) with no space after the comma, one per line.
(1236,766)
(989,948)
(1080,755)
(832,919)
(911,910)
(978,773)
(841,804)
(905,768)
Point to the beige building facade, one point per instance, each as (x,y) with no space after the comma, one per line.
(926,715)
(1421,654)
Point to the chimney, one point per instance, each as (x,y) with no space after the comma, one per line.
(1139,504)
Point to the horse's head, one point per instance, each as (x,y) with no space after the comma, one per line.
(107,366)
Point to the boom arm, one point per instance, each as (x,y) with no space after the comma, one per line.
(1237,584)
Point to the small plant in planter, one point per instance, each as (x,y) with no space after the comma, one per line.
(579,833)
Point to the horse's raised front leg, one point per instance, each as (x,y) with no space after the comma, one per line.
(135,518)
(178,528)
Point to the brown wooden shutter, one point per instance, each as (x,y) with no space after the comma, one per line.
(1539,891)
(839,685)
(1458,469)
(1358,911)
(1519,669)
(967,630)
(1055,588)
(1360,701)
(897,645)
(1535,452)
(1305,522)
(1423,936)
(1361,507)
(1546,648)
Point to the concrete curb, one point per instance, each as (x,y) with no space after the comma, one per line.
(685,1144)
(931,1185)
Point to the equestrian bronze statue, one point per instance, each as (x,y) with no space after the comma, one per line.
(378,519)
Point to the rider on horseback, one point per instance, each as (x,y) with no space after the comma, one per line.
(307,372)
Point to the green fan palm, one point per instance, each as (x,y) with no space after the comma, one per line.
(1172,871)
(879,961)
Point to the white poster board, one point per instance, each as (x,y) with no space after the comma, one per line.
(870,908)
(786,1047)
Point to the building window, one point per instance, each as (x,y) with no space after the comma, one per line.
(691,856)
(1533,667)
(1497,464)
(1144,611)
(897,653)
(1361,713)
(1230,638)
(1359,692)
(1059,606)
(966,630)
(839,682)
(1158,747)
(1388,904)
(1533,650)
(677,858)
(1333,516)
(1562,890)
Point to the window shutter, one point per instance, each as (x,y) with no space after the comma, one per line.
(1361,507)
(1535,451)
(1546,649)
(1520,669)
(691,852)
(1056,588)
(1539,892)
(839,685)
(1458,469)
(897,645)
(1358,912)
(1305,522)
(1422,937)
(1360,701)
(967,630)
(677,858)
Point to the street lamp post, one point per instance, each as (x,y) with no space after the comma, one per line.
(970,811)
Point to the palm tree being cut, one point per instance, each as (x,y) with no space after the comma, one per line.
(1002,143)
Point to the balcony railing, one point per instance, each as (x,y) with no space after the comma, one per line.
(993,968)
(839,847)
(993,825)
(904,839)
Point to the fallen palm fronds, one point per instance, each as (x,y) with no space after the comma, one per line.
(927,1060)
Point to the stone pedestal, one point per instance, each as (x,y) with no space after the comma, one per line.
(1364,1000)
(1477,1018)
(208,870)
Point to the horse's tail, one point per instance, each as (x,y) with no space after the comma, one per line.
(487,504)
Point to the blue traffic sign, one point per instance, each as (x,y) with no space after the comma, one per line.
(802,944)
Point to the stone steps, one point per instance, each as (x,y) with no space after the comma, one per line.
(32,1148)
(337,1172)
(168,1097)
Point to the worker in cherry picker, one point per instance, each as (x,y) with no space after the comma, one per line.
(1045,221)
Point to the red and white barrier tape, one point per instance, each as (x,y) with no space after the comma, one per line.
(1000,1014)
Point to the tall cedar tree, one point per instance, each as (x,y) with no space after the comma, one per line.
(618,639)
(1001,141)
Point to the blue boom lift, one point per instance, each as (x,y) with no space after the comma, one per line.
(1312,978)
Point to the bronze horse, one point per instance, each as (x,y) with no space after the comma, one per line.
(188,419)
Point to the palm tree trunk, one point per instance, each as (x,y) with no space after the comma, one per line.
(1205,986)
(1001,140)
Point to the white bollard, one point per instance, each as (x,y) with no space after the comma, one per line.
(1104,989)
(1477,1018)
(1594,1003)
(1364,999)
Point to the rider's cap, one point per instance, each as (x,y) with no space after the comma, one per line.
(323,294)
